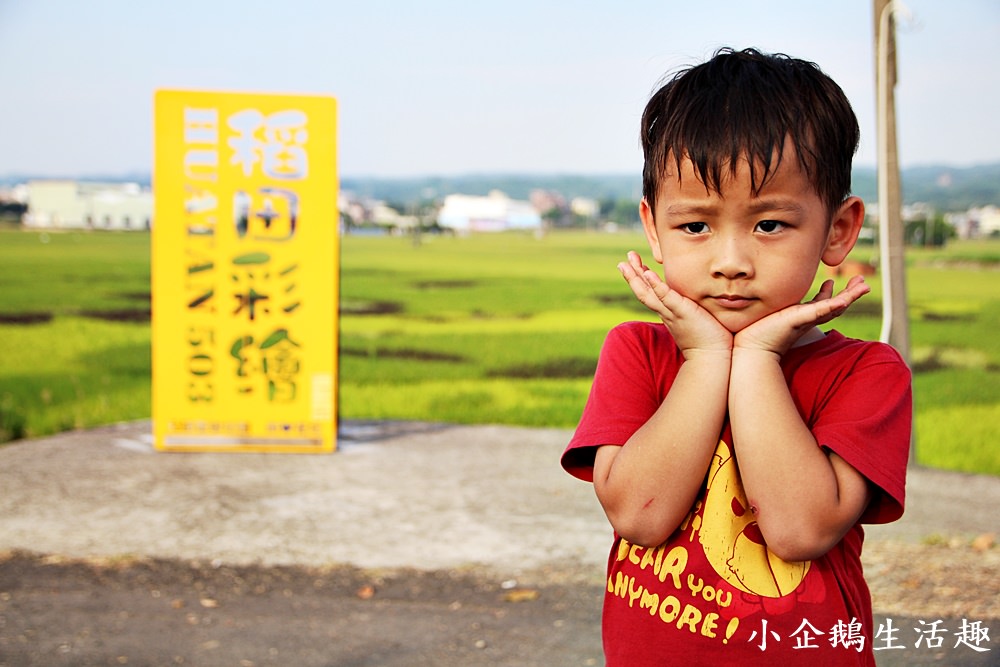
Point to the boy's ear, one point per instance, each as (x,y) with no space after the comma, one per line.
(649,226)
(844,230)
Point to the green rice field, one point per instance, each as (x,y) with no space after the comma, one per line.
(494,328)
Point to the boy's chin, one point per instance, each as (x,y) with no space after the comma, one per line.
(737,322)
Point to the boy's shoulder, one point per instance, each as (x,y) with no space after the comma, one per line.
(836,344)
(832,343)
(642,330)
(653,342)
(641,338)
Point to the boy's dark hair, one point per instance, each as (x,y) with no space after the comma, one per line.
(743,104)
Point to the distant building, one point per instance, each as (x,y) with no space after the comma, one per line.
(546,200)
(978,222)
(585,207)
(988,218)
(373,214)
(384,215)
(60,204)
(494,213)
(17,194)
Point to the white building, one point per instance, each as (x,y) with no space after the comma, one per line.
(988,218)
(60,204)
(385,216)
(979,222)
(585,207)
(494,213)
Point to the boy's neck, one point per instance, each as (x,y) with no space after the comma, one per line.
(811,336)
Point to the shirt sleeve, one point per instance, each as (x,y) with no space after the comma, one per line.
(867,420)
(635,368)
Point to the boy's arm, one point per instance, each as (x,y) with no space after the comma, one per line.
(805,499)
(647,486)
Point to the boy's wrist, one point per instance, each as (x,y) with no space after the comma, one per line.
(756,355)
(708,355)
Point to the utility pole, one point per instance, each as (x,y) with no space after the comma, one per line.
(892,262)
(895,316)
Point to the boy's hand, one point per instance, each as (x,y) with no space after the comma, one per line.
(778,331)
(693,328)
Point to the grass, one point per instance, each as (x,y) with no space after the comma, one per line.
(485,329)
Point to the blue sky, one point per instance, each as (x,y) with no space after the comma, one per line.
(449,87)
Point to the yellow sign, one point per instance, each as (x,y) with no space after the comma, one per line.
(245,272)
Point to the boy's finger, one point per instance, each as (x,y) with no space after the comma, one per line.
(636,262)
(825,291)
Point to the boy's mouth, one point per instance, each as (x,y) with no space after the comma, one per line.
(733,301)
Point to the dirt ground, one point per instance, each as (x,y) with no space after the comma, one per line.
(56,612)
(111,554)
(166,612)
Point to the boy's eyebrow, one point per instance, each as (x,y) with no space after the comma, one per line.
(777,204)
(683,208)
(763,205)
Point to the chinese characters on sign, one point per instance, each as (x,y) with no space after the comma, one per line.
(245,272)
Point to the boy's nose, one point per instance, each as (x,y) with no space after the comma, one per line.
(731,261)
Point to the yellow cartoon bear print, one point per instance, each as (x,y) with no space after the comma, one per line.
(731,539)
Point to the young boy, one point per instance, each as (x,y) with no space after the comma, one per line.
(735,447)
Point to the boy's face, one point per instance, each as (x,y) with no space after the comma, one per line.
(742,257)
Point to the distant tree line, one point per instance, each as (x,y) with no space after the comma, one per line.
(943,188)
(11,211)
(946,189)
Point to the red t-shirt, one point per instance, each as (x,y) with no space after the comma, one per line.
(713,594)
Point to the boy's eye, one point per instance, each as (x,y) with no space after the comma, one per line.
(695,227)
(770,226)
